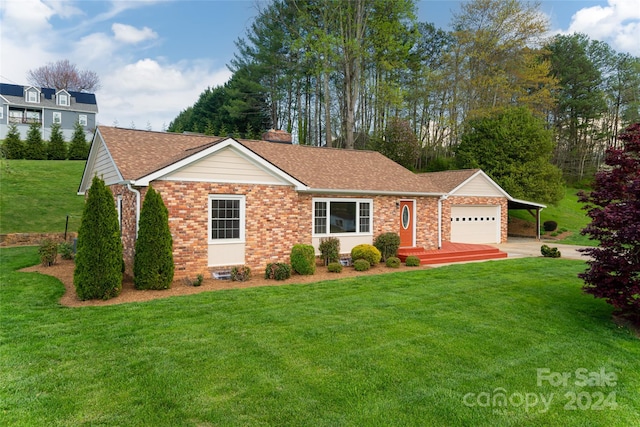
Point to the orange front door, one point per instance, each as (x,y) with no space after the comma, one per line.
(407,225)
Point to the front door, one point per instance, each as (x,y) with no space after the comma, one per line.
(407,226)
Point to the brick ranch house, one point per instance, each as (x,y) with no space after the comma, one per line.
(234,202)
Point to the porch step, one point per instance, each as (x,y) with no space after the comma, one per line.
(452,253)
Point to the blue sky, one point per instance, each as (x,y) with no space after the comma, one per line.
(155,57)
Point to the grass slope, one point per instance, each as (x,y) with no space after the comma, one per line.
(37,195)
(568,213)
(399,349)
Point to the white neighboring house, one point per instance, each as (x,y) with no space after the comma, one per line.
(24,105)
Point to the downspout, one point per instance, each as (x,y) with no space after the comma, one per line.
(440,200)
(538,223)
(137,193)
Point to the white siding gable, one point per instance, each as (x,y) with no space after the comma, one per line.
(479,185)
(226,165)
(104,167)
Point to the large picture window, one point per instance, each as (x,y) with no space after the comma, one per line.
(337,216)
(226,218)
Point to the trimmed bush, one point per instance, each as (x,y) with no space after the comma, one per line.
(334,267)
(387,244)
(303,259)
(550,226)
(66,250)
(48,252)
(393,262)
(368,252)
(98,272)
(277,271)
(330,249)
(412,261)
(153,262)
(194,282)
(361,265)
(548,252)
(240,274)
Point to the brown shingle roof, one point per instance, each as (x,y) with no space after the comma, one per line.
(446,181)
(138,153)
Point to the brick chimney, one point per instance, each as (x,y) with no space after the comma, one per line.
(280,136)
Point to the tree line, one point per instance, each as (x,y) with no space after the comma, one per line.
(348,74)
(34,147)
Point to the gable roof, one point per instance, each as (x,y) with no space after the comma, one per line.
(141,156)
(82,101)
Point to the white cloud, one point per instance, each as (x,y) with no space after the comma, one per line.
(618,24)
(129,34)
(149,91)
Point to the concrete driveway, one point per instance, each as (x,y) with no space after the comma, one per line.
(518,247)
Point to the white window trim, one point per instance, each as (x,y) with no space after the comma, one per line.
(243,210)
(1,112)
(62,96)
(82,119)
(59,115)
(28,98)
(328,200)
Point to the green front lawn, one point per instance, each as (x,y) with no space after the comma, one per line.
(37,195)
(426,347)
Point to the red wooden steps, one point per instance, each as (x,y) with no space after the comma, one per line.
(452,252)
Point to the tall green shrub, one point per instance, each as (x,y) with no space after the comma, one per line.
(329,249)
(13,146)
(387,244)
(303,259)
(56,149)
(153,263)
(98,272)
(78,149)
(34,146)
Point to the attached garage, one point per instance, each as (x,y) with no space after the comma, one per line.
(475,224)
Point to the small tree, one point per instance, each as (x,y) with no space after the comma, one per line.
(34,146)
(153,266)
(98,272)
(13,146)
(56,149)
(78,149)
(614,209)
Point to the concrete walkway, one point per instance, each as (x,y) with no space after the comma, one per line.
(518,247)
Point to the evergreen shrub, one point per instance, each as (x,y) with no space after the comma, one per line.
(13,147)
(548,252)
(387,244)
(66,250)
(361,265)
(412,261)
(277,271)
(550,226)
(334,267)
(393,262)
(368,252)
(153,266)
(98,272)
(303,259)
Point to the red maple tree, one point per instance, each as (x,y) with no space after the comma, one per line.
(613,273)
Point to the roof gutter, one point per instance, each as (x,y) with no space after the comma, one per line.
(366,192)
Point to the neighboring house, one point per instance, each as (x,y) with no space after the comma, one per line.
(24,105)
(234,202)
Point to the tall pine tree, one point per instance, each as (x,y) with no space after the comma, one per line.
(34,146)
(78,149)
(153,264)
(99,264)
(13,146)
(56,149)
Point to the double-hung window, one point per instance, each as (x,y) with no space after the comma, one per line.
(338,216)
(57,117)
(226,218)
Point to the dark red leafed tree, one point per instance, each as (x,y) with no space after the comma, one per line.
(614,209)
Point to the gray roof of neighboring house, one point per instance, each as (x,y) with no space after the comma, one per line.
(80,101)
(138,153)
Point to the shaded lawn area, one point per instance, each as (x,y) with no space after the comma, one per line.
(415,348)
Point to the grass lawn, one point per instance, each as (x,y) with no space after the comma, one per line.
(37,195)
(569,215)
(431,347)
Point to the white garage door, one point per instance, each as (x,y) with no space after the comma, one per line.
(475,224)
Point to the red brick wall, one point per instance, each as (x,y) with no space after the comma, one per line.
(277,217)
